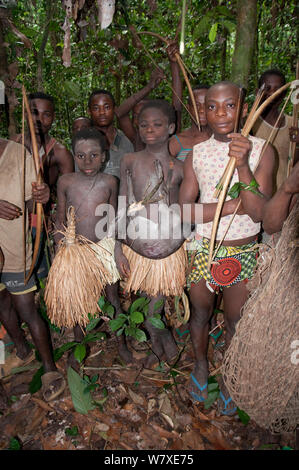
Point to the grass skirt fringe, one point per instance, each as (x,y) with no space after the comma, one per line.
(165,276)
(77,278)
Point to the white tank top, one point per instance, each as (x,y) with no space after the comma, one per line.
(209,161)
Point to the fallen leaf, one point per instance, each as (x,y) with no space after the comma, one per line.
(137,399)
(192,440)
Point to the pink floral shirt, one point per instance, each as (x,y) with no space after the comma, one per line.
(209,161)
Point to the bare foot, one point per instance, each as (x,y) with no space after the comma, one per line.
(199,381)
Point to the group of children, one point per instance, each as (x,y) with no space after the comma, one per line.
(181,169)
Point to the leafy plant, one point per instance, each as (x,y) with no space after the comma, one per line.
(235,190)
(129,323)
(14,444)
(213,392)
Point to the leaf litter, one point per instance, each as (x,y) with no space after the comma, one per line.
(130,408)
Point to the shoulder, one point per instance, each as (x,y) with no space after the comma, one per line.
(130,157)
(109,180)
(60,152)
(124,141)
(67,178)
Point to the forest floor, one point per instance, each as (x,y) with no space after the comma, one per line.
(137,408)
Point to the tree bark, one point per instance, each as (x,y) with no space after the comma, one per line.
(244,44)
(41,52)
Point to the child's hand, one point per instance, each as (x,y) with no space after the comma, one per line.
(172,49)
(239,148)
(156,76)
(232,205)
(40,192)
(9,211)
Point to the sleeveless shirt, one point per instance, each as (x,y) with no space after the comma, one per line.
(209,161)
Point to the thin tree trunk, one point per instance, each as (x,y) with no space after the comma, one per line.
(223,57)
(244,44)
(41,52)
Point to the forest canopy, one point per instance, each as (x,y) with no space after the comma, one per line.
(36,50)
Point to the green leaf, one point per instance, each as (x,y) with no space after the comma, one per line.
(58,353)
(213,387)
(210,400)
(202,27)
(36,382)
(92,337)
(213,32)
(243,416)
(92,324)
(101,302)
(158,304)
(157,323)
(80,352)
(136,317)
(140,335)
(234,191)
(110,311)
(82,401)
(229,25)
(117,323)
(138,304)
(73,431)
(14,444)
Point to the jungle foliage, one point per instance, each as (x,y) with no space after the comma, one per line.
(32,44)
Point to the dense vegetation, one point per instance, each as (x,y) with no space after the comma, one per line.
(32,44)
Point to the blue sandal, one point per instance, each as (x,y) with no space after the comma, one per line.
(225,411)
(195,395)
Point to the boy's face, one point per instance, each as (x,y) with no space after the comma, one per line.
(101,110)
(80,123)
(272,84)
(221,108)
(43,115)
(89,156)
(199,96)
(154,127)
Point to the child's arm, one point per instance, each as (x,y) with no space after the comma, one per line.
(278,208)
(253,203)
(61,208)
(177,86)
(64,159)
(156,76)
(198,213)
(120,259)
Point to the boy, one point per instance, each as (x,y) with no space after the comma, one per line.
(55,157)
(156,123)
(79,123)
(101,107)
(202,171)
(273,80)
(17,300)
(86,190)
(134,103)
(182,143)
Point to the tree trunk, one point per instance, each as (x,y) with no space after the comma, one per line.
(40,54)
(223,56)
(244,44)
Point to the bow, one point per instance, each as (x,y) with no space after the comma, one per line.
(39,206)
(180,64)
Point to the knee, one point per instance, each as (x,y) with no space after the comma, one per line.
(199,317)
